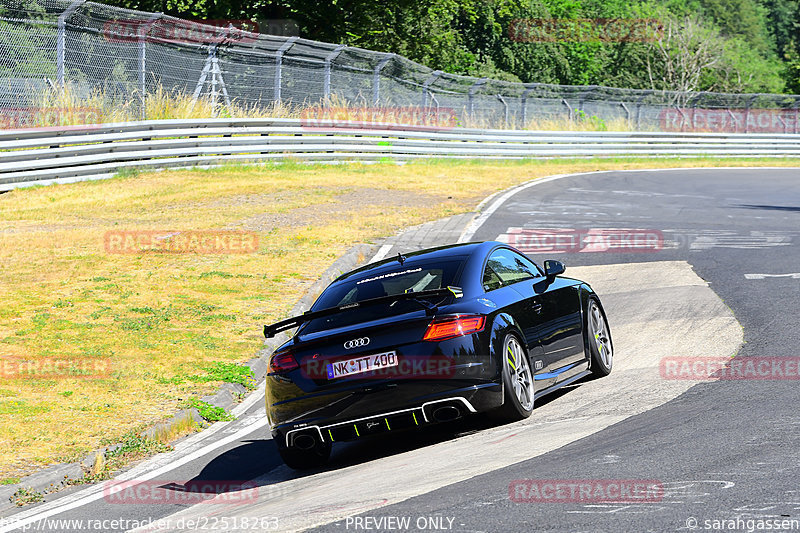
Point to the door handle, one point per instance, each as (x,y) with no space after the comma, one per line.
(536,307)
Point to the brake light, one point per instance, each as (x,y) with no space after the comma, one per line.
(282,362)
(454,327)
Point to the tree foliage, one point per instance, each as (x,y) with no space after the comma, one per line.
(756,42)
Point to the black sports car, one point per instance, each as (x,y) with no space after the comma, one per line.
(430,337)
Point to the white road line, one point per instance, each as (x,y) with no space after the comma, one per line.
(163,463)
(794,275)
(385,249)
(478,221)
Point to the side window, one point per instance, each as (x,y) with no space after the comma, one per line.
(506,267)
(528,264)
(491,280)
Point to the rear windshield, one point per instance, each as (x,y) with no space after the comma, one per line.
(404,278)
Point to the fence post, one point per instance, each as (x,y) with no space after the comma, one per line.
(734,121)
(523,104)
(747,113)
(471,94)
(61,38)
(143,58)
(627,112)
(505,108)
(582,98)
(376,78)
(569,108)
(278,66)
(692,101)
(431,79)
(684,118)
(639,110)
(326,86)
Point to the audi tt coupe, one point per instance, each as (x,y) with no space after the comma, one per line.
(429,337)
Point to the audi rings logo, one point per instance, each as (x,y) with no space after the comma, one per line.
(356,343)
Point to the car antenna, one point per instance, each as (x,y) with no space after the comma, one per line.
(401,258)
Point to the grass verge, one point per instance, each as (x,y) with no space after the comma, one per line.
(166,327)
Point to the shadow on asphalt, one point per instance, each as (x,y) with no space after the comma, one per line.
(258,460)
(770,207)
(232,471)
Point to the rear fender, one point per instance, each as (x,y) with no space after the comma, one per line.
(587,293)
(502,325)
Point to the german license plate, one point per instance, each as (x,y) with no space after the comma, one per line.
(359,365)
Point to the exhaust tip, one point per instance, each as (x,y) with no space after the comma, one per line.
(304,441)
(446,413)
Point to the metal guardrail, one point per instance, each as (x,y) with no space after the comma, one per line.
(44,156)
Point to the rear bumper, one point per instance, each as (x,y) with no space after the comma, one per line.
(381,408)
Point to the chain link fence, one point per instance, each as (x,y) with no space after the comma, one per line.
(127,56)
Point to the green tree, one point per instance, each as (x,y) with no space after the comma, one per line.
(758,40)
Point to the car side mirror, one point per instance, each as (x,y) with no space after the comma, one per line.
(553,268)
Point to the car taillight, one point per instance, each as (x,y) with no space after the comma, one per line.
(454,327)
(282,362)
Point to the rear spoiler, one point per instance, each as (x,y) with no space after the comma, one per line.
(273,329)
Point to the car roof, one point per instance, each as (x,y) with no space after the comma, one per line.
(450,251)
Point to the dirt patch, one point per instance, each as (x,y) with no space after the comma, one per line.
(344,204)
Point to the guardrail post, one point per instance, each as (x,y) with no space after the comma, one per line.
(326,85)
(61,38)
(431,79)
(471,94)
(143,58)
(376,78)
(279,66)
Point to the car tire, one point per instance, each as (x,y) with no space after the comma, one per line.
(299,459)
(599,347)
(518,391)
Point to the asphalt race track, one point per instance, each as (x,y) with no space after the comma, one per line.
(702,246)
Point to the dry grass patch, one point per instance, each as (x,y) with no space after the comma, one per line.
(164,323)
